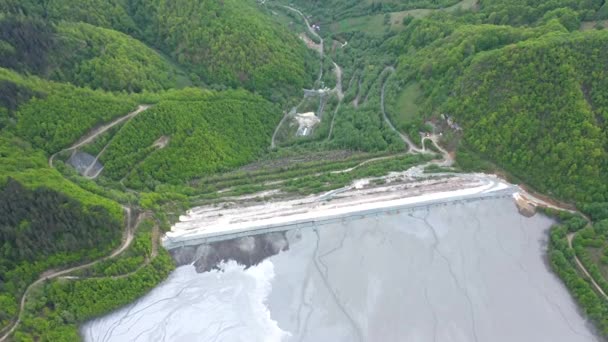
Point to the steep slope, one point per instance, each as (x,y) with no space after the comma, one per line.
(46,221)
(539,108)
(228,42)
(329,10)
(103,13)
(522,12)
(110,60)
(52,115)
(82,54)
(529,99)
(204,132)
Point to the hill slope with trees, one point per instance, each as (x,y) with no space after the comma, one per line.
(524,91)
(84,55)
(539,108)
(69,67)
(527,89)
(227,44)
(206,132)
(530,99)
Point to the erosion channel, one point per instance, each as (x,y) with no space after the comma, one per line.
(440,259)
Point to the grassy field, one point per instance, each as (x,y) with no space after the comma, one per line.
(397,17)
(408,108)
(374,24)
(596,254)
(590,25)
(286,17)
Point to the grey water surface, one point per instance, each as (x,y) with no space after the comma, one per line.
(457,272)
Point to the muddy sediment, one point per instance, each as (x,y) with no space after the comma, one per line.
(248,251)
(459,271)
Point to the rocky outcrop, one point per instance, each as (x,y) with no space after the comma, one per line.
(248,251)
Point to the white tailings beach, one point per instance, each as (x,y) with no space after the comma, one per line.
(442,260)
(401,190)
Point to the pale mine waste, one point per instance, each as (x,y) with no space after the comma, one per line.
(447,259)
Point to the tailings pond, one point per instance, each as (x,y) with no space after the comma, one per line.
(467,270)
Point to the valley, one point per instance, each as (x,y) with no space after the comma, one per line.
(335,168)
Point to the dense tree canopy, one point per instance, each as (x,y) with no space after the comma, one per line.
(530,99)
(527,88)
(228,43)
(338,9)
(205,132)
(522,12)
(539,108)
(236,45)
(35,224)
(107,59)
(43,228)
(83,54)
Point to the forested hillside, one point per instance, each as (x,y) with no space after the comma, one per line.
(339,9)
(204,132)
(52,115)
(84,55)
(46,221)
(70,73)
(529,98)
(216,82)
(231,43)
(225,44)
(540,109)
(517,84)
(103,58)
(524,12)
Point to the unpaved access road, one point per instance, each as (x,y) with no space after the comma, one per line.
(534,200)
(51,274)
(570,237)
(447,159)
(98,131)
(411,146)
(338,87)
(340,94)
(312,32)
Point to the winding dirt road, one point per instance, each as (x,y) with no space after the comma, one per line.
(317,47)
(276,130)
(51,274)
(570,237)
(148,259)
(312,32)
(411,146)
(536,201)
(98,131)
(338,88)
(340,93)
(128,234)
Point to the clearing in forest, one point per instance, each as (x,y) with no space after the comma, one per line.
(375,24)
(407,103)
(591,25)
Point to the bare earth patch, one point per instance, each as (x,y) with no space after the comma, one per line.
(162,142)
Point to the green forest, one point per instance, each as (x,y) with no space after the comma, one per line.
(529,98)
(42,228)
(67,69)
(207,132)
(197,91)
(232,45)
(84,55)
